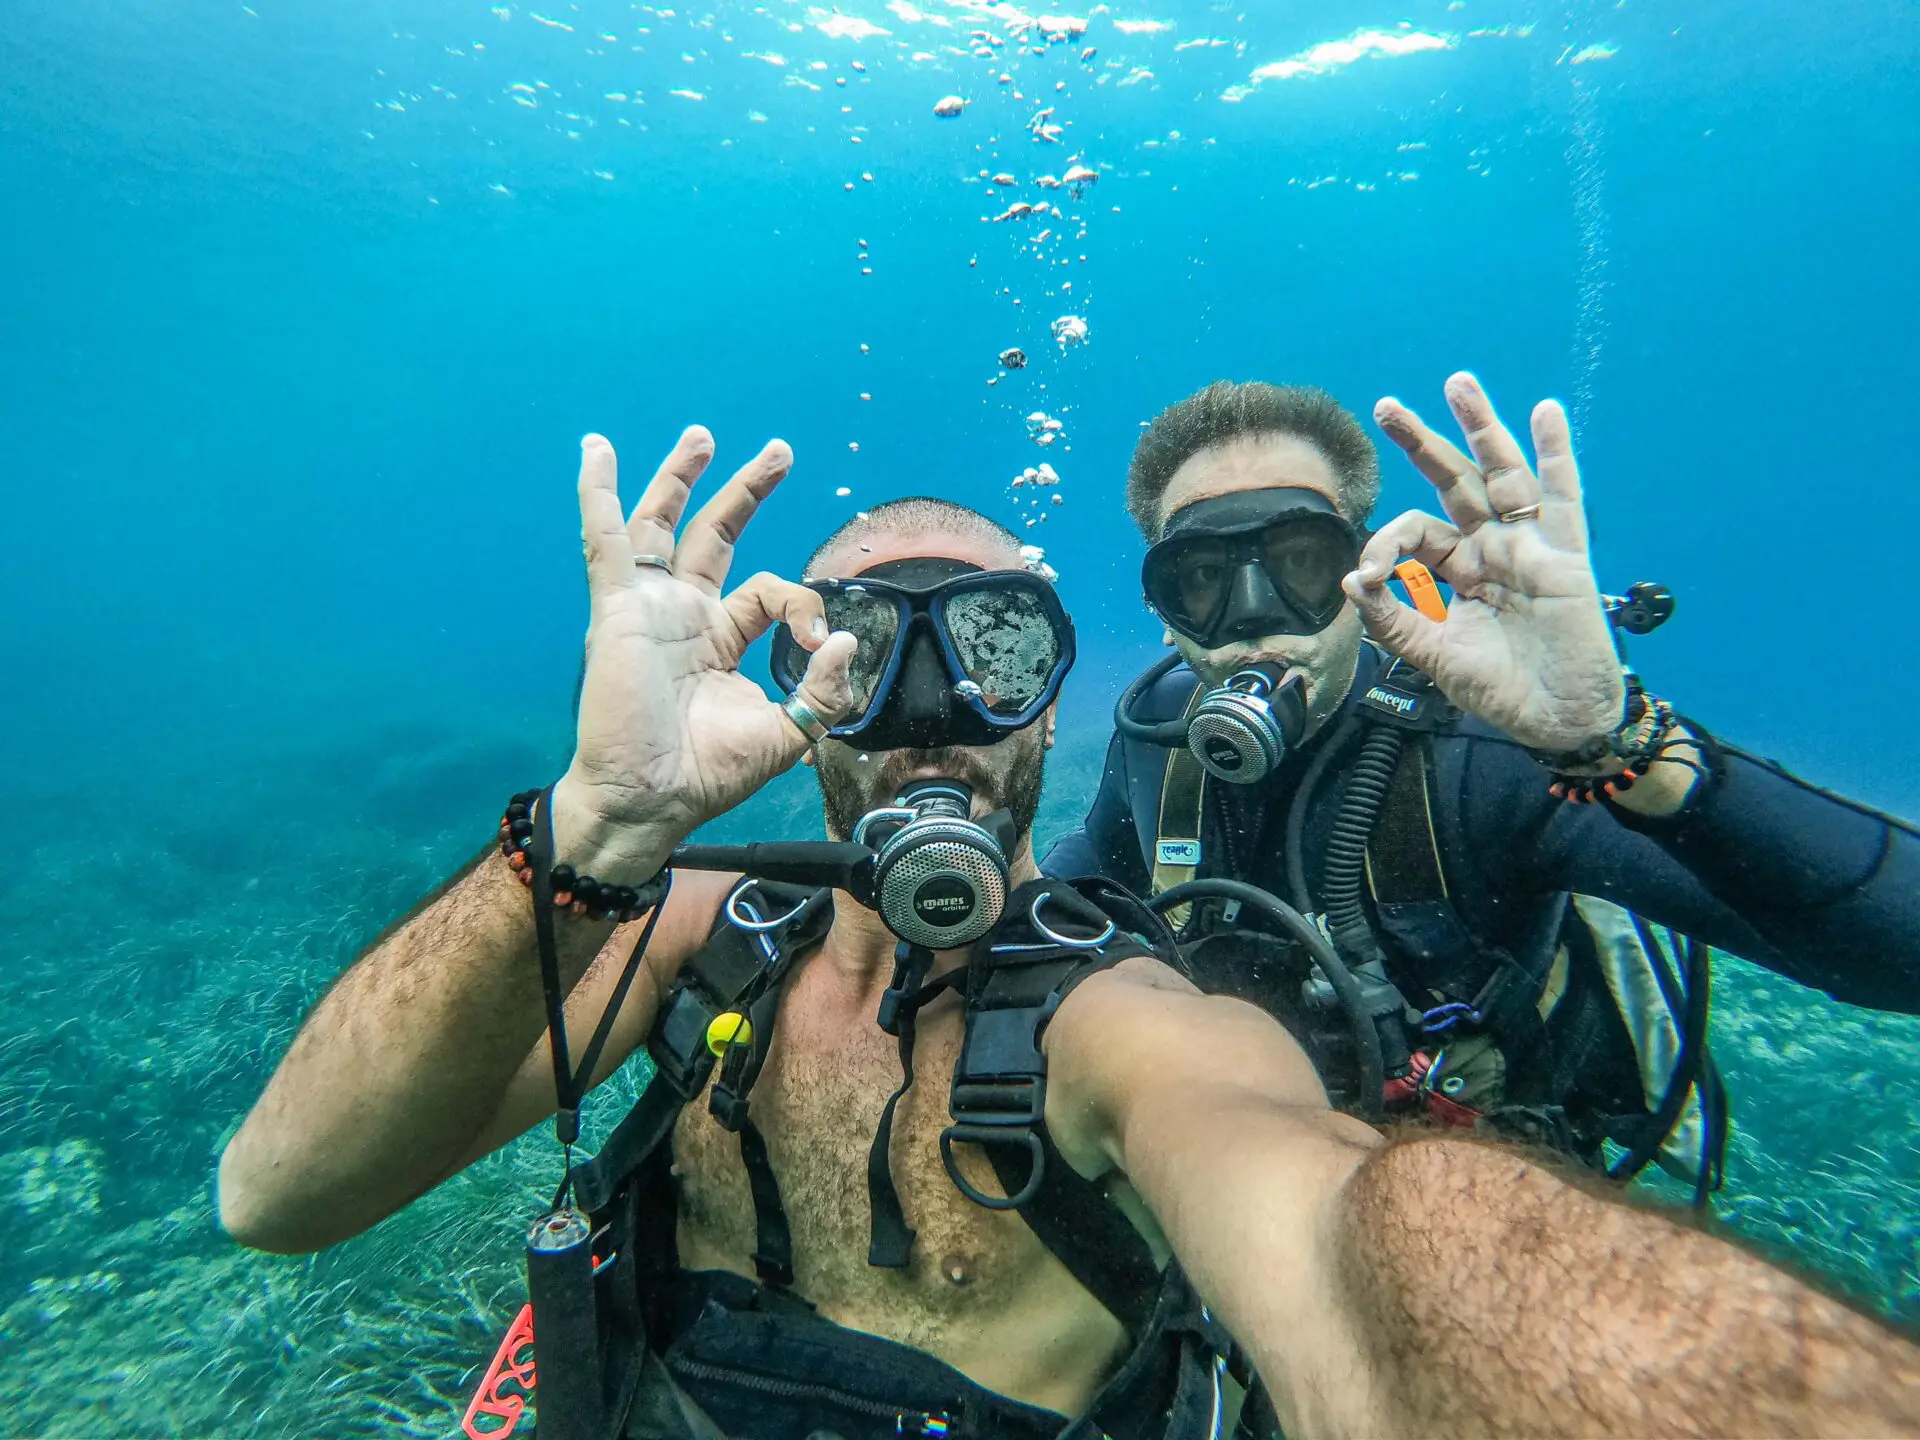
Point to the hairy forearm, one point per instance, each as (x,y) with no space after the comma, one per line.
(398,1067)
(1446,1284)
(1491,1294)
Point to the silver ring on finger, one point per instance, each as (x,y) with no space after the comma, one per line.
(811,725)
(654,562)
(1525,512)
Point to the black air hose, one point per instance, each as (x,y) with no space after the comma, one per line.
(1346,867)
(1302,801)
(1689,1068)
(1345,877)
(1353,1000)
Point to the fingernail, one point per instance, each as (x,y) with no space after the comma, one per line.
(819,628)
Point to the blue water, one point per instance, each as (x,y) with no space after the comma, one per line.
(303,310)
(289,392)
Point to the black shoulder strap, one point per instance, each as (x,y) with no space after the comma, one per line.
(1015,983)
(1403,855)
(726,974)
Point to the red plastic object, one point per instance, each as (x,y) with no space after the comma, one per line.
(493,1404)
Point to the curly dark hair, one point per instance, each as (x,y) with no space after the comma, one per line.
(1228,410)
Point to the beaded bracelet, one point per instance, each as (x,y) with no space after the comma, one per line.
(1642,738)
(573,892)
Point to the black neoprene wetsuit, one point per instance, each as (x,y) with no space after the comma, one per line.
(1759,863)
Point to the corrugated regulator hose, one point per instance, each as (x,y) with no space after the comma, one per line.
(1345,875)
(1346,868)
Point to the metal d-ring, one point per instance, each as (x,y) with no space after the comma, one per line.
(756,926)
(1066,941)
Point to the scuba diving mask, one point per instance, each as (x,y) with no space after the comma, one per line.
(1249,564)
(949,654)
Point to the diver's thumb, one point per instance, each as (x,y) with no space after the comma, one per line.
(1397,626)
(827,687)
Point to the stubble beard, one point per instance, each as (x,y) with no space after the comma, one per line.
(847,792)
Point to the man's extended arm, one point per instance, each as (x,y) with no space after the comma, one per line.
(1758,863)
(1441,1283)
(430,1052)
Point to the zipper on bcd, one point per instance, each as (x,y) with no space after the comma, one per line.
(906,1422)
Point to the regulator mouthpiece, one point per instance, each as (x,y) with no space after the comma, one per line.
(1242,730)
(939,877)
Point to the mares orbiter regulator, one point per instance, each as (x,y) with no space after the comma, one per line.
(1239,731)
(939,879)
(936,877)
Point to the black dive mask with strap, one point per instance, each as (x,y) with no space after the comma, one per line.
(1250,564)
(949,654)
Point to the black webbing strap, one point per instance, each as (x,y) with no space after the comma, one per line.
(773,1238)
(566,1120)
(729,1099)
(713,979)
(890,1242)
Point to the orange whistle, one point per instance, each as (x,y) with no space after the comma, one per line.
(1422,589)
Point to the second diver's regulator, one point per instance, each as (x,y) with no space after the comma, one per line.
(1239,731)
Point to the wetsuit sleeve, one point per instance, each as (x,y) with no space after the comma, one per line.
(1760,863)
(1828,883)
(1106,842)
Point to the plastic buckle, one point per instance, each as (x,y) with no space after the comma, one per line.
(728,1108)
(680,1055)
(999,1103)
(1001,1111)
(889,1018)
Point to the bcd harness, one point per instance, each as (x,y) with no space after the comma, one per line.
(1480,1020)
(609,1305)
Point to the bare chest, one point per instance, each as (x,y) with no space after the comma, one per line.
(817,1104)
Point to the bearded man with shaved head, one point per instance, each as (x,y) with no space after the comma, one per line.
(944,1147)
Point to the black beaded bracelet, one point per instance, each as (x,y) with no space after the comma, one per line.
(1644,736)
(573,892)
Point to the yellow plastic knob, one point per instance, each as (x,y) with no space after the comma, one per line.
(731,1028)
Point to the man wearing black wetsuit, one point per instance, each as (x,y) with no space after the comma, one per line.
(1526,771)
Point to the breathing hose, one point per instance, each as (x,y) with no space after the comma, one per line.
(1297,812)
(1691,1069)
(1347,848)
(1353,1000)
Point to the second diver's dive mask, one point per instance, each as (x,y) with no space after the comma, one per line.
(1239,731)
(949,654)
(1249,564)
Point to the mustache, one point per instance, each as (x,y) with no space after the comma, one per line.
(950,761)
